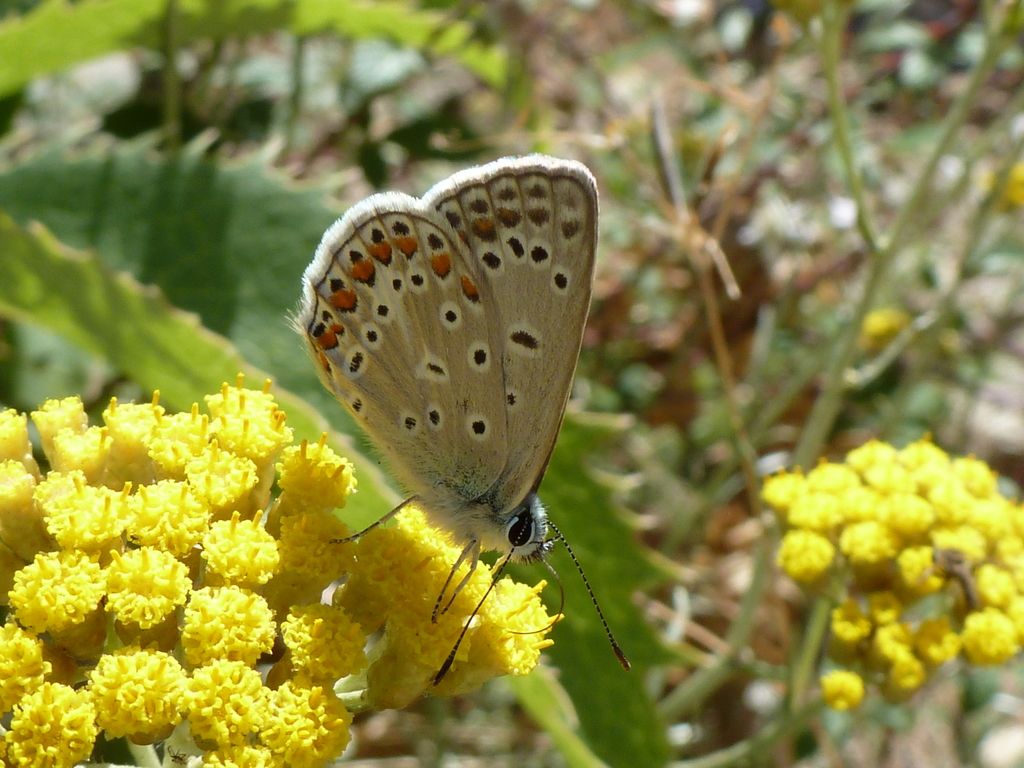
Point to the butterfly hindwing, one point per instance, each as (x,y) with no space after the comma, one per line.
(531,226)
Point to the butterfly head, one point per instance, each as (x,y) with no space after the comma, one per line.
(526,530)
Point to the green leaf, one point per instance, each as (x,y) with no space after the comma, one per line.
(57,34)
(138,331)
(227,242)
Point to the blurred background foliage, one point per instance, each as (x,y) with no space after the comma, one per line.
(811,235)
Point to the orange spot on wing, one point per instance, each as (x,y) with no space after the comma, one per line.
(363,271)
(407,245)
(441,263)
(469,289)
(345,299)
(329,338)
(508,216)
(381,251)
(483,228)
(322,359)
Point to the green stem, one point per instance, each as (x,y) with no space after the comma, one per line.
(144,755)
(805,662)
(834,22)
(826,407)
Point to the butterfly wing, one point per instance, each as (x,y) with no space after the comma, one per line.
(530,225)
(395,316)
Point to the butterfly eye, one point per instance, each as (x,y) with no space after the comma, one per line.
(520,528)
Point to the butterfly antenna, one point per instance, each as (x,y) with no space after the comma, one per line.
(371,526)
(465,627)
(616,649)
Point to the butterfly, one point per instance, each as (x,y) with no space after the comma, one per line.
(449,326)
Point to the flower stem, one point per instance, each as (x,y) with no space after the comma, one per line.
(882,251)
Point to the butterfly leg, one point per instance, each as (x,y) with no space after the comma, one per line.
(371,526)
(472,551)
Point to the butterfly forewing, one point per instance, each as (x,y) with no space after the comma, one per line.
(394,312)
(450,326)
(531,226)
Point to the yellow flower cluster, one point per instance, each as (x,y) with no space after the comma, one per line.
(926,553)
(163,582)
